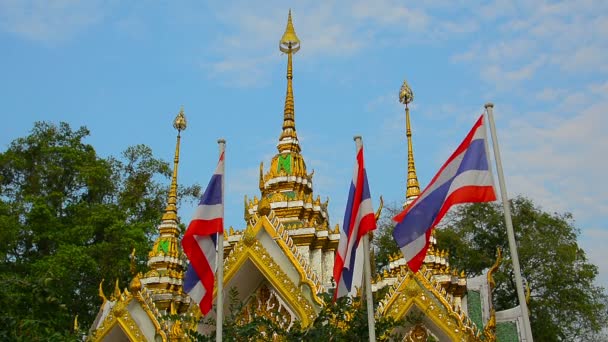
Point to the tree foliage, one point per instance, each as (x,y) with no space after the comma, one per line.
(565,304)
(67,218)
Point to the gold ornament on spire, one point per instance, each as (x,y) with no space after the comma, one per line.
(406,96)
(289,44)
(180,121)
(171,210)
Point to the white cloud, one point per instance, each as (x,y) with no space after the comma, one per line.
(49,21)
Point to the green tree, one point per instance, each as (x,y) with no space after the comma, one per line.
(565,304)
(383,243)
(67,218)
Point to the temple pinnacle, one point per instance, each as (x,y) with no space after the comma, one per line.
(406,96)
(289,44)
(171,210)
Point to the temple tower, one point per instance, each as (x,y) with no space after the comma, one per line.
(166,260)
(286,188)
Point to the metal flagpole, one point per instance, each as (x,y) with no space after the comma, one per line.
(368,290)
(220,260)
(509,223)
(367,274)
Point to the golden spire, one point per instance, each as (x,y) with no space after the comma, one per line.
(171,210)
(289,44)
(406,96)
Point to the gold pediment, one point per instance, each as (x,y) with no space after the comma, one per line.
(414,293)
(120,323)
(249,258)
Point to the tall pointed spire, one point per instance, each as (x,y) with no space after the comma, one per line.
(171,210)
(406,96)
(166,259)
(289,44)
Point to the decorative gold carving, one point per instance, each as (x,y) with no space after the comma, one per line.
(132,262)
(249,237)
(101,294)
(266,303)
(264,206)
(289,42)
(493,269)
(379,211)
(119,316)
(291,292)
(417,334)
(489,331)
(135,284)
(406,96)
(116,294)
(440,309)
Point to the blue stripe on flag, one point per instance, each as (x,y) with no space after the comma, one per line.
(191,279)
(474,157)
(349,209)
(365,194)
(419,218)
(213,193)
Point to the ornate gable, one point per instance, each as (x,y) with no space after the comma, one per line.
(425,302)
(264,255)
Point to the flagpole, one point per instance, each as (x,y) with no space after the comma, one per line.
(220,261)
(367,273)
(509,223)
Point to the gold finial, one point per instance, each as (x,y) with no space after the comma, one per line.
(132,261)
(135,284)
(116,293)
(406,96)
(101,294)
(379,211)
(289,44)
(180,121)
(171,210)
(493,269)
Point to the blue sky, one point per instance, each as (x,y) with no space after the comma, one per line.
(124,68)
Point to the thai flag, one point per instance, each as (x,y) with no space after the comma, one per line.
(358,220)
(465,177)
(200,241)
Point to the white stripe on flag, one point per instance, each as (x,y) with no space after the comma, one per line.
(471,177)
(450,171)
(367,203)
(209,250)
(413,248)
(198,292)
(208,212)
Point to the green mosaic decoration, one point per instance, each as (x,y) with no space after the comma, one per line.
(507,332)
(290,194)
(163,245)
(474,308)
(284,163)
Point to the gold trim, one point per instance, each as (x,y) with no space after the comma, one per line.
(273,273)
(415,289)
(119,314)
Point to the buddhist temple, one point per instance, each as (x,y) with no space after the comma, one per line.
(281,260)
